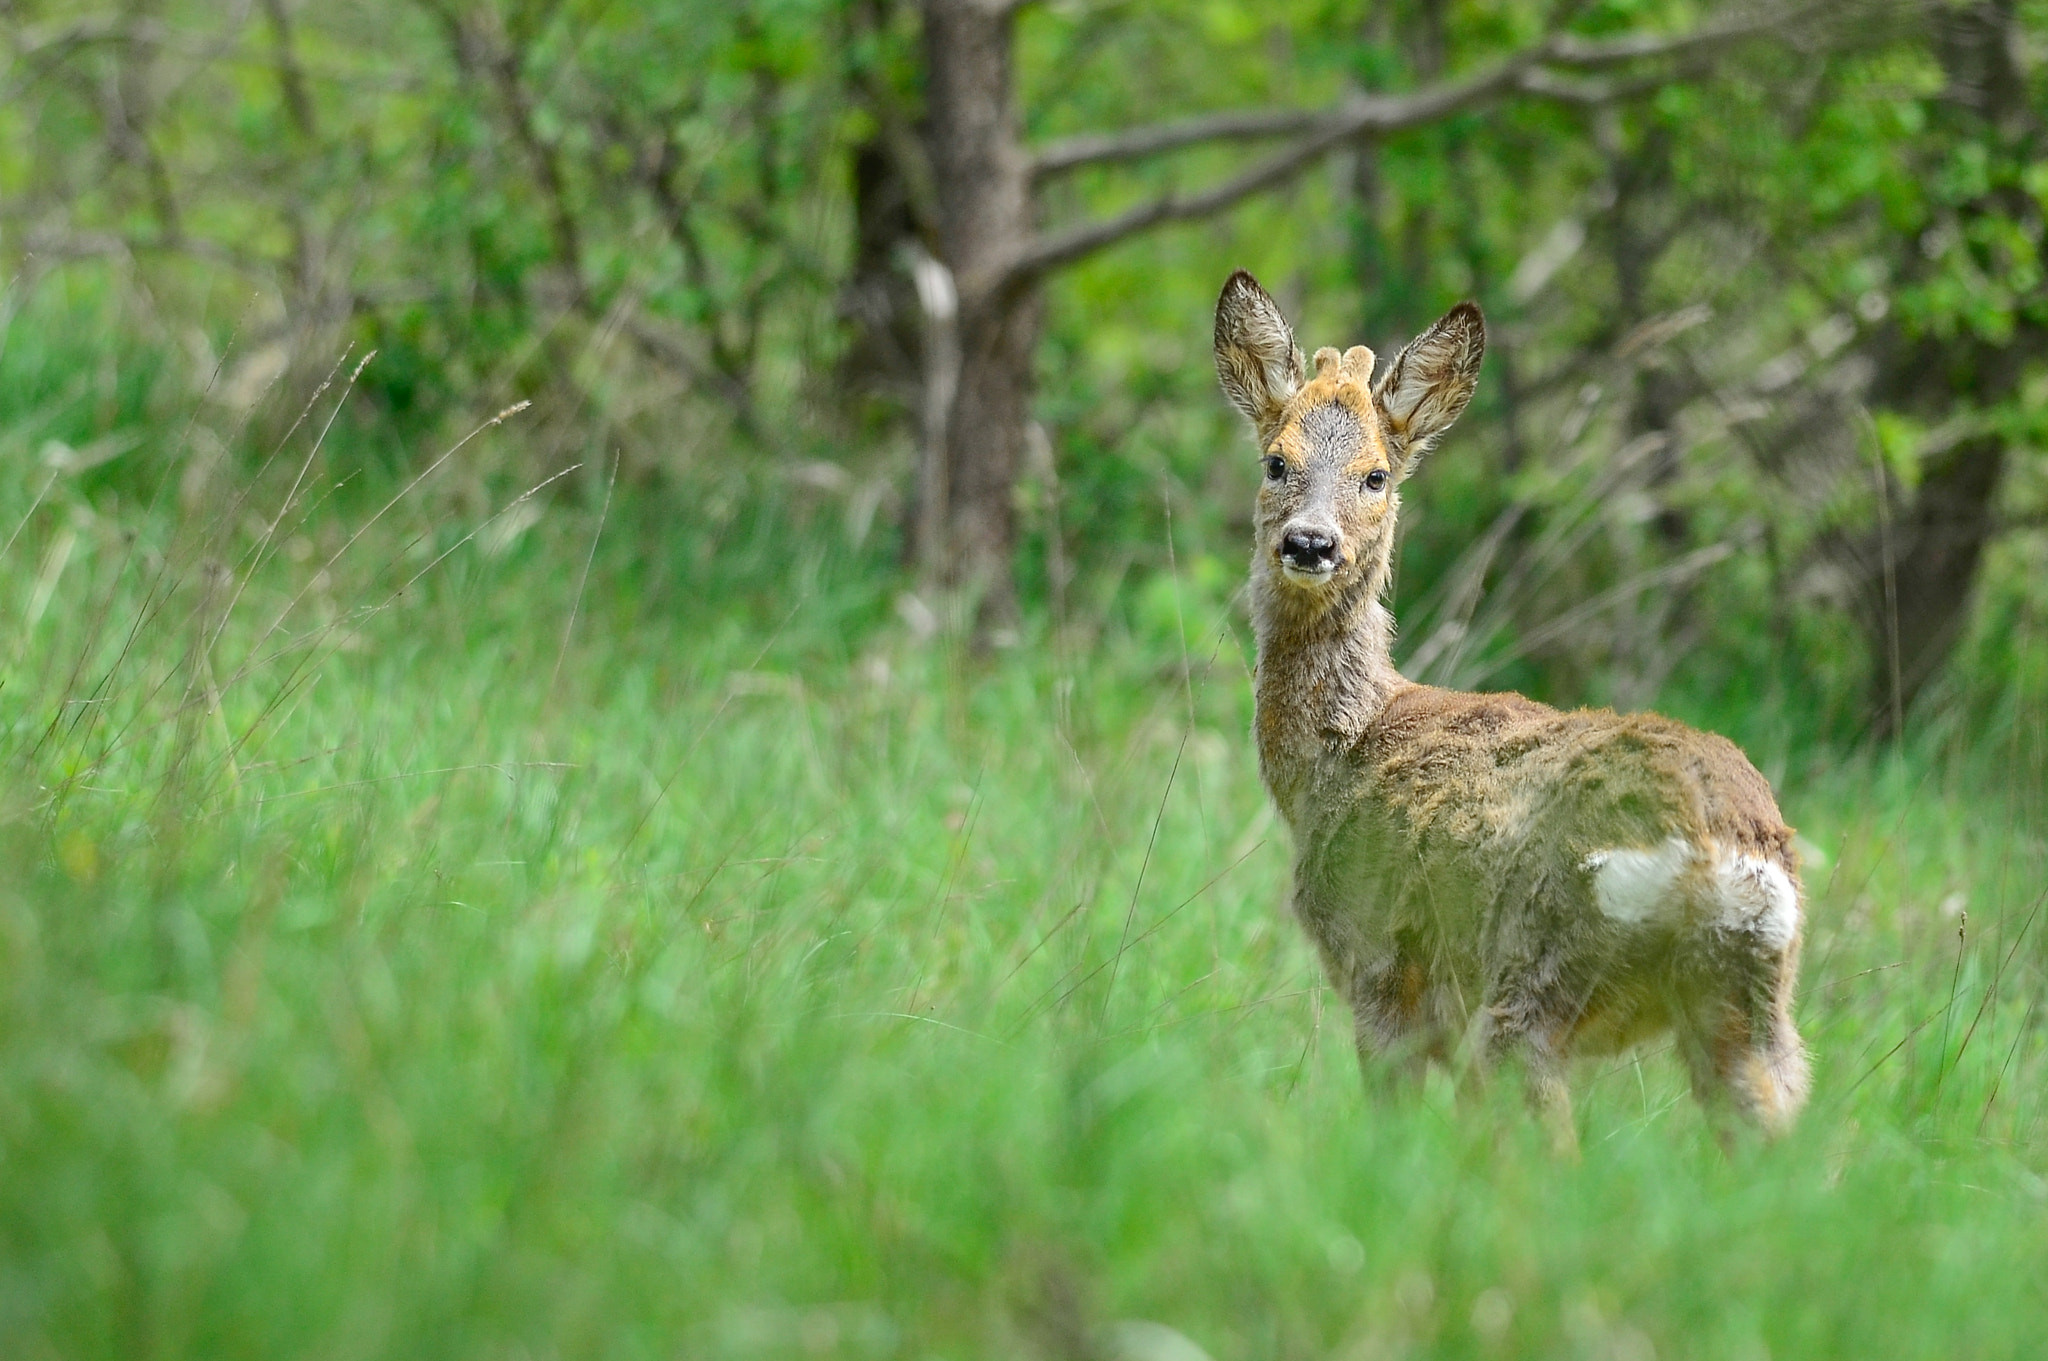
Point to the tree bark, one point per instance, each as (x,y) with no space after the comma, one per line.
(982,176)
(1925,583)
(885,355)
(1918,569)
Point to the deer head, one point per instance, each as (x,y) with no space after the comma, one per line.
(1336,446)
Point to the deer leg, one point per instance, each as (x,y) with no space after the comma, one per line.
(1520,1030)
(1392,1022)
(1696,1048)
(1747,1059)
(1740,1046)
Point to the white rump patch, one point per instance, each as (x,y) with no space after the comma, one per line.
(1739,892)
(1635,885)
(1757,897)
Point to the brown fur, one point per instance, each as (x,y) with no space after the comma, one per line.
(1447,844)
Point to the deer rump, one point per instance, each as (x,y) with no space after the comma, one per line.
(1484,867)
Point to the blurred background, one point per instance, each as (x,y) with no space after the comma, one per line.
(624,693)
(1764,404)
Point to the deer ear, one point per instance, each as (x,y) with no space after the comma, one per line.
(1430,381)
(1257,360)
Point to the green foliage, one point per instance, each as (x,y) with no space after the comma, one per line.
(448,919)
(642,218)
(503,200)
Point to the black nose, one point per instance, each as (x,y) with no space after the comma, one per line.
(1308,550)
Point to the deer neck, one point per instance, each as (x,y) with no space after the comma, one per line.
(1325,671)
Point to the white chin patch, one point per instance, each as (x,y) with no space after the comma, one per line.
(1307,576)
(1735,892)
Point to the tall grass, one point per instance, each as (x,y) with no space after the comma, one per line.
(389,968)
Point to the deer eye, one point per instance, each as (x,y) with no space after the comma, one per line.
(1276,468)
(1376,479)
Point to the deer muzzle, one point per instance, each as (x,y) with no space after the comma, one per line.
(1310,552)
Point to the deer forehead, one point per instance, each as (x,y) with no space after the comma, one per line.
(1332,420)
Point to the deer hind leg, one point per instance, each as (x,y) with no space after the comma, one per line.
(1742,956)
(1741,1049)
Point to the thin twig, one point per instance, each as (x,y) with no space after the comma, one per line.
(1146,935)
(583,579)
(2011,1050)
(1948,1012)
(1131,912)
(974,807)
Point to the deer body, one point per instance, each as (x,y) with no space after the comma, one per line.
(1480,866)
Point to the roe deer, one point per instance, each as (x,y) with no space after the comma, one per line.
(1480,865)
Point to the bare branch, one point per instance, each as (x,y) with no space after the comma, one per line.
(1592,54)
(1523,72)
(1318,132)
(1541,84)
(1059,248)
(59,245)
(1236,125)
(483,47)
(291,77)
(1361,116)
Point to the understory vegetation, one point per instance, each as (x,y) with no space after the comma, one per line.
(624,688)
(449,932)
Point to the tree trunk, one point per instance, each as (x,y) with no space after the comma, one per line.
(1925,581)
(884,362)
(982,176)
(1918,570)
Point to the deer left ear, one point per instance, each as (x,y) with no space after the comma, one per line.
(1257,361)
(1429,382)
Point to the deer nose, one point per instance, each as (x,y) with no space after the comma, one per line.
(1309,550)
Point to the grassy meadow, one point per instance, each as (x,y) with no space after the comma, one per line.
(441,929)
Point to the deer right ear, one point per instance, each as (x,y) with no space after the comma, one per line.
(1431,380)
(1257,360)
